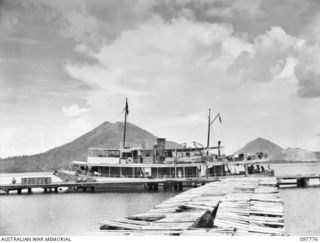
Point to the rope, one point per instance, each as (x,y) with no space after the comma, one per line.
(160,114)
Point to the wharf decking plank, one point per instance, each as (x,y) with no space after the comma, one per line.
(119,225)
(244,206)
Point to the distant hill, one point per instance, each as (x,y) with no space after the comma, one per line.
(278,153)
(107,135)
(261,145)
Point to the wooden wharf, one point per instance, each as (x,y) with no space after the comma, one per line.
(299,180)
(116,184)
(229,206)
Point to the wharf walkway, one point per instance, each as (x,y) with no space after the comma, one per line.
(230,206)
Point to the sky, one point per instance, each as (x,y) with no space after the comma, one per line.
(67,66)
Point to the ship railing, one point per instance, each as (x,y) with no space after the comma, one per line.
(130,145)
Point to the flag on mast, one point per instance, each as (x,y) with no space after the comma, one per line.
(127,107)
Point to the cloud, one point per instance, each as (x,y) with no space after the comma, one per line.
(208,8)
(233,8)
(163,57)
(179,67)
(169,56)
(267,58)
(73,110)
(16,139)
(308,68)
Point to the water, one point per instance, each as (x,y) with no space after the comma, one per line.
(302,210)
(69,214)
(301,205)
(296,168)
(78,214)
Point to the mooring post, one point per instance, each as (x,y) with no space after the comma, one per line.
(175,186)
(19,191)
(180,186)
(56,189)
(246,170)
(301,182)
(171,186)
(165,186)
(92,189)
(156,186)
(29,190)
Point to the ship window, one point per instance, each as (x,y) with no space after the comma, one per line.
(126,155)
(169,153)
(114,153)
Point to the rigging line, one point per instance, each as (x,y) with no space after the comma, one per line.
(161,114)
(109,125)
(213,136)
(221,133)
(118,116)
(192,130)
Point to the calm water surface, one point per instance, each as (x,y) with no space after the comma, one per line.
(78,214)
(69,214)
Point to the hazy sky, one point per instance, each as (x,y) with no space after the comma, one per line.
(67,66)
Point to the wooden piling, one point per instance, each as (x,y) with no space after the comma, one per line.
(302,182)
(165,186)
(156,186)
(175,186)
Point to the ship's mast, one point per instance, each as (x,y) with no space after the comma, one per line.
(126,112)
(209,125)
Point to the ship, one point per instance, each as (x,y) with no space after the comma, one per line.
(132,161)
